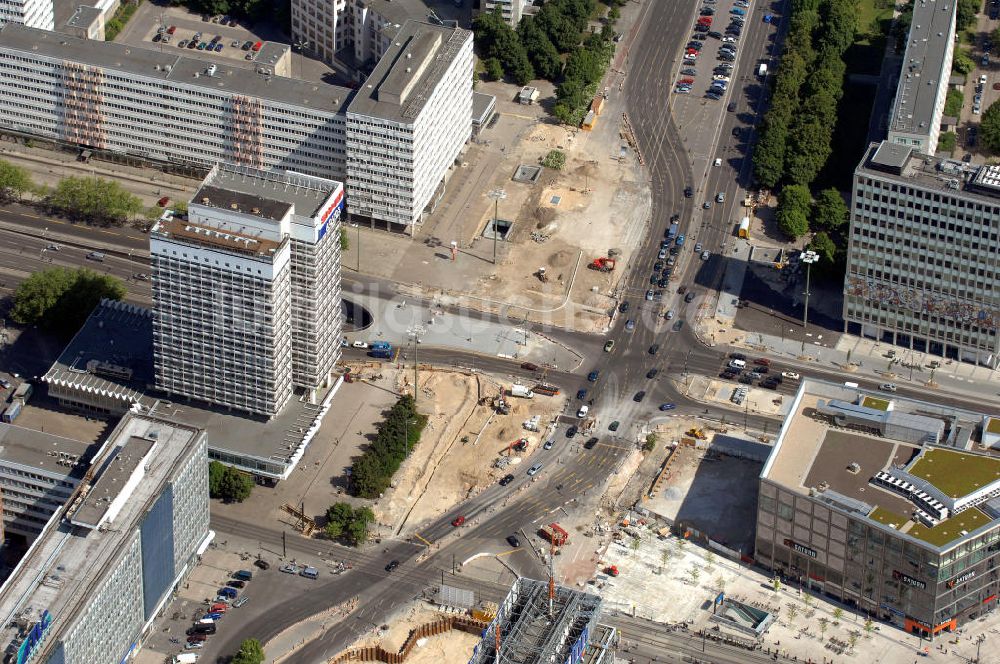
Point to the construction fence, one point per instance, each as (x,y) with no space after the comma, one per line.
(380,654)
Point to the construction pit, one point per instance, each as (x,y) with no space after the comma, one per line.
(467,445)
(403,635)
(592,208)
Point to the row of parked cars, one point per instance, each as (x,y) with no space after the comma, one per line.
(727,50)
(227,598)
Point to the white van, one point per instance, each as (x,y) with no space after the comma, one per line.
(738,364)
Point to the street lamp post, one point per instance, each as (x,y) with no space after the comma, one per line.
(497,195)
(807,257)
(357,244)
(415,333)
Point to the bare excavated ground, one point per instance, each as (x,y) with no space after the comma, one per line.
(458,449)
(451,646)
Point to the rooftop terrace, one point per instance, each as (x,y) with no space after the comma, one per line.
(954,473)
(836,464)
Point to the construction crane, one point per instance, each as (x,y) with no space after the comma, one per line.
(552,578)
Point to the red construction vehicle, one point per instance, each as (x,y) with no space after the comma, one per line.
(602,264)
(555,534)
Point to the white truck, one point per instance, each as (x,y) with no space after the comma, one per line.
(522,391)
(762,70)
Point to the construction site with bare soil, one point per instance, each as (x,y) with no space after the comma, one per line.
(477,430)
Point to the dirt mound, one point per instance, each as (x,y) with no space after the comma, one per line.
(560,258)
(544,216)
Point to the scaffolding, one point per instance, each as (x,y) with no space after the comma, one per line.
(525,630)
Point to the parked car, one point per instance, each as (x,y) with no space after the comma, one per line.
(506,479)
(288,568)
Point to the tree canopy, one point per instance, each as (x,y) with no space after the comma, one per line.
(989,127)
(94,199)
(793,210)
(348,522)
(797,132)
(250,652)
(14,181)
(395,437)
(59,300)
(228,483)
(829,211)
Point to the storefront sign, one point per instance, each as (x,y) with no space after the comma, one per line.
(991,598)
(961,579)
(908,580)
(798,548)
(891,609)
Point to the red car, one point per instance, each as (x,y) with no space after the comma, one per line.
(686,81)
(763,361)
(172,29)
(705,20)
(163,201)
(459,520)
(692,51)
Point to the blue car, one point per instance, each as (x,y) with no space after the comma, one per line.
(581,394)
(680,240)
(592,376)
(667,406)
(738,11)
(212,616)
(227,592)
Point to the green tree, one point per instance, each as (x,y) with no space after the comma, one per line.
(357,529)
(769,155)
(824,623)
(838,613)
(693,574)
(829,212)
(636,544)
(14,181)
(793,209)
(541,52)
(338,518)
(947,141)
(216,471)
(250,652)
(520,68)
(59,300)
(555,160)
(494,70)
(650,443)
(869,627)
(400,431)
(953,102)
(793,611)
(962,62)
(989,127)
(966,14)
(235,486)
(824,246)
(94,199)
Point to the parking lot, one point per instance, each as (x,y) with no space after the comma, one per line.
(149,18)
